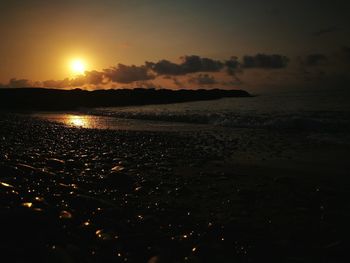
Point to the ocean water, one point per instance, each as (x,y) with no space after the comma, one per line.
(298,111)
(323,115)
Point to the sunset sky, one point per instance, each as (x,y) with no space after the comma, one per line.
(187,43)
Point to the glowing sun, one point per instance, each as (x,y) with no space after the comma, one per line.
(78,66)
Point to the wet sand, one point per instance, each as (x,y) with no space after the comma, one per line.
(88,195)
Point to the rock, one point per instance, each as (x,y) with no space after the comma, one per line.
(26,168)
(65,215)
(55,163)
(155,259)
(70,163)
(285,180)
(44,173)
(117,168)
(183,191)
(9,171)
(103,235)
(25,228)
(120,180)
(6,185)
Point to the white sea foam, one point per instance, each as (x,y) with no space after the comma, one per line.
(298,111)
(307,121)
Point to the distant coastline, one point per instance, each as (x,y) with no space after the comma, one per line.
(56,99)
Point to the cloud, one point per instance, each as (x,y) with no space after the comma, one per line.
(324,31)
(189,64)
(231,83)
(203,79)
(265,61)
(121,74)
(177,82)
(147,85)
(128,74)
(19,83)
(232,65)
(165,67)
(78,81)
(192,64)
(94,77)
(168,73)
(57,83)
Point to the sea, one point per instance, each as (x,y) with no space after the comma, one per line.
(323,114)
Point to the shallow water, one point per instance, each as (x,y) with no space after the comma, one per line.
(323,116)
(288,110)
(81,120)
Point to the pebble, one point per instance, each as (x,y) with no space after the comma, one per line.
(56,164)
(111,196)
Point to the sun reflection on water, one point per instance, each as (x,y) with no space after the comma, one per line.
(78,121)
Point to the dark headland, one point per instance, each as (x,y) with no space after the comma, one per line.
(55,99)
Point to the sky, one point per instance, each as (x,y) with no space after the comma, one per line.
(170,43)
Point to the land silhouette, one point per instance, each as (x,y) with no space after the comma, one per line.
(55,99)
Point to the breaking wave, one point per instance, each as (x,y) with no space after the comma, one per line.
(306,121)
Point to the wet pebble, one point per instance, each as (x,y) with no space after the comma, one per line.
(55,164)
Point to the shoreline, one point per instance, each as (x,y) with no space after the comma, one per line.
(89,195)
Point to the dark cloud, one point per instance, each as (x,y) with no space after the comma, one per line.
(265,61)
(203,79)
(231,83)
(78,81)
(19,83)
(128,74)
(175,80)
(57,83)
(139,75)
(192,64)
(189,64)
(165,67)
(94,77)
(121,74)
(89,78)
(327,30)
(232,65)
(147,85)
(315,59)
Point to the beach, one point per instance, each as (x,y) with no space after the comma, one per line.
(72,194)
(174,131)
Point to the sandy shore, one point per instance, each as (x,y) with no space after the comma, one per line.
(88,195)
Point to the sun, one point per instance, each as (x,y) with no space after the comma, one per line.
(78,66)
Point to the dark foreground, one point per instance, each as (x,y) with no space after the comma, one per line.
(79,195)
